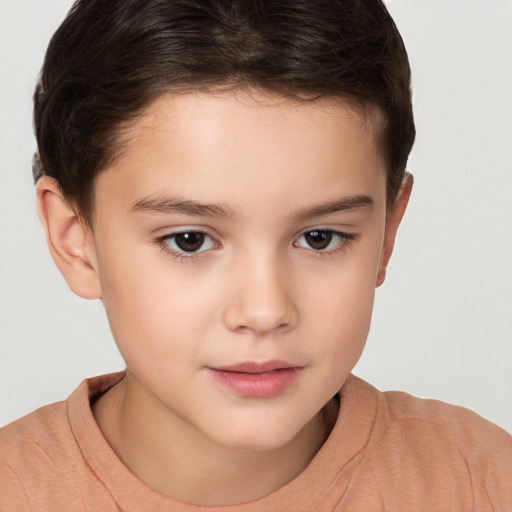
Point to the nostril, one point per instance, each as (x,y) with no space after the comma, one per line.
(283,327)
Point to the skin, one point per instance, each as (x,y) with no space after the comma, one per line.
(270,170)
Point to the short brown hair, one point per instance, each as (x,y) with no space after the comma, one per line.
(111,58)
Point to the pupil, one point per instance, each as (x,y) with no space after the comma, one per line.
(318,239)
(189,242)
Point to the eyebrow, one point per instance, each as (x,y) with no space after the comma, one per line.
(338,205)
(168,205)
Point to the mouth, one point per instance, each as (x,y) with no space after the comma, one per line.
(256,379)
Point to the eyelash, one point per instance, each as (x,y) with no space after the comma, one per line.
(344,243)
(162,242)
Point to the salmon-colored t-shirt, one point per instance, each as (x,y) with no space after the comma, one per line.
(387,451)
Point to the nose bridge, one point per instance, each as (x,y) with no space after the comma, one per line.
(261,300)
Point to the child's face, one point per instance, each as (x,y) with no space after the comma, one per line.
(234,230)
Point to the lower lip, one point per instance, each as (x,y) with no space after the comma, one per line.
(256,385)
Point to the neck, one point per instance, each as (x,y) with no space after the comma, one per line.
(182,464)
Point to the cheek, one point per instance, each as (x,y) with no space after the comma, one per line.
(343,311)
(151,307)
(349,321)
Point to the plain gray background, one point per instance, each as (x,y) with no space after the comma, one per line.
(442,325)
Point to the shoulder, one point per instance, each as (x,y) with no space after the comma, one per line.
(48,436)
(43,462)
(402,418)
(450,444)
(444,423)
(31,448)
(35,435)
(38,442)
(417,454)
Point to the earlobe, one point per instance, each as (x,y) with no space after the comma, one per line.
(70,241)
(394,217)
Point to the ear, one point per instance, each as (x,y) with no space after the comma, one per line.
(393,219)
(70,240)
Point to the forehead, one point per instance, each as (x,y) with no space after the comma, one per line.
(250,108)
(229,145)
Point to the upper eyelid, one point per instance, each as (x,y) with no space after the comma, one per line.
(185,229)
(341,234)
(337,231)
(169,232)
(334,226)
(323,228)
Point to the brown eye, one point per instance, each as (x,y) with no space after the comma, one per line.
(318,239)
(189,242)
(323,240)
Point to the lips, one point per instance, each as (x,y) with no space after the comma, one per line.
(256,379)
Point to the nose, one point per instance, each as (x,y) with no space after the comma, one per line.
(261,299)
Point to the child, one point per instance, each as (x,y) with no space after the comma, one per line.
(229,177)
